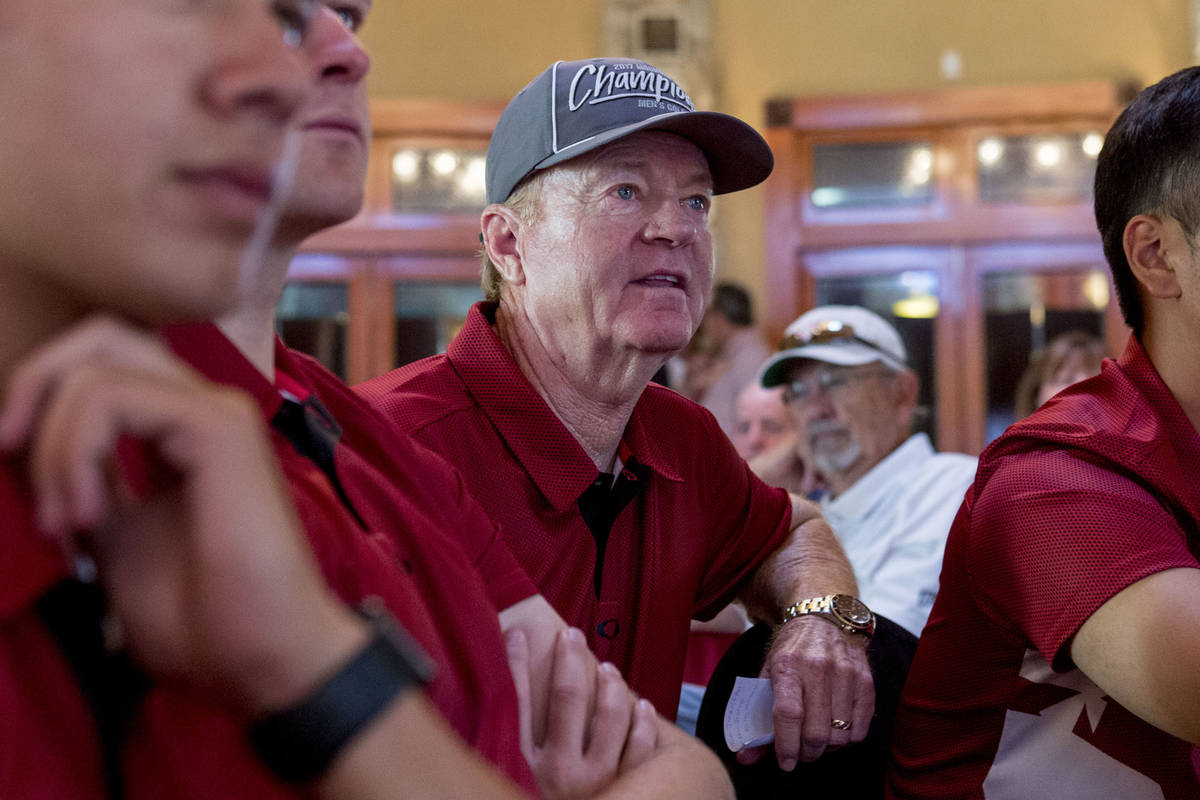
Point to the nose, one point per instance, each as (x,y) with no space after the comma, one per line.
(756,441)
(816,406)
(255,73)
(334,51)
(672,223)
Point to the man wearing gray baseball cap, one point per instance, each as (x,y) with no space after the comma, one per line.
(622,500)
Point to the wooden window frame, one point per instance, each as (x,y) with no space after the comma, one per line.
(953,121)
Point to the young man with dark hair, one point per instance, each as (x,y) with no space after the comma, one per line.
(1062,656)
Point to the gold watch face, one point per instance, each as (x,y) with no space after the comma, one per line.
(852,610)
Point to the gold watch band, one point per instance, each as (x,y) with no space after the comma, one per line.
(809,606)
(845,611)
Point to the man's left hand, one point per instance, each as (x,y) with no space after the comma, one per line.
(819,675)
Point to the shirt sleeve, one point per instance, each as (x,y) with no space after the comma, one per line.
(505,579)
(747,520)
(1054,536)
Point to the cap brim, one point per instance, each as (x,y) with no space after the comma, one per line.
(738,157)
(774,371)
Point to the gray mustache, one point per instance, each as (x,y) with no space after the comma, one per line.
(820,427)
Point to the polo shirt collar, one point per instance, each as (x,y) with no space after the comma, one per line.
(211,353)
(859,500)
(547,451)
(1180,445)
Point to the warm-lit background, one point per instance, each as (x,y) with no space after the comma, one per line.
(934,162)
(488,49)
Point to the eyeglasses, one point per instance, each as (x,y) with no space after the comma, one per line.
(827,331)
(833,383)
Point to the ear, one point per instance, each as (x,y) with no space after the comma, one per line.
(1151,248)
(501,238)
(908,390)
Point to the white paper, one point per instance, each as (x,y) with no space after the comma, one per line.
(748,714)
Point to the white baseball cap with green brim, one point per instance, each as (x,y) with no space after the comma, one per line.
(847,336)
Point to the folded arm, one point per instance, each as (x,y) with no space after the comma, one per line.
(676,766)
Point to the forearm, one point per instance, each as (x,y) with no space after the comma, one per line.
(540,623)
(682,767)
(410,752)
(811,563)
(730,619)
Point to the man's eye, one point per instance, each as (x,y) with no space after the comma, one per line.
(294,16)
(625,192)
(350,16)
(698,203)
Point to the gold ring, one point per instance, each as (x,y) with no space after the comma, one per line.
(840,724)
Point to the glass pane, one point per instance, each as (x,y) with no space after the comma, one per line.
(312,318)
(909,301)
(438,180)
(872,174)
(1037,169)
(1025,311)
(428,315)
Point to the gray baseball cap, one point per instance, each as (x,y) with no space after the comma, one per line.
(577,106)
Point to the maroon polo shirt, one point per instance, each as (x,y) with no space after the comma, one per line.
(417,548)
(692,525)
(177,743)
(1093,492)
(422,543)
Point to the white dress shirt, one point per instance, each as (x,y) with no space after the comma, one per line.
(893,524)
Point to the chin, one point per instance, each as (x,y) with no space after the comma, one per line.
(661,333)
(201,288)
(661,342)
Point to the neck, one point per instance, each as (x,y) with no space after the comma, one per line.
(844,480)
(593,395)
(251,326)
(31,313)
(1171,344)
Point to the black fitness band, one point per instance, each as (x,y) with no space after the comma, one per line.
(298,743)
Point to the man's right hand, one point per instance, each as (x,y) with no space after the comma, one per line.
(207,571)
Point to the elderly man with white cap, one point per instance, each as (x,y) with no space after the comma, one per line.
(624,501)
(891,498)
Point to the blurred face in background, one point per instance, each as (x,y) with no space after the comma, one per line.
(763,421)
(849,418)
(1075,366)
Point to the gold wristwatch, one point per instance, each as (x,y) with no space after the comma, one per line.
(844,610)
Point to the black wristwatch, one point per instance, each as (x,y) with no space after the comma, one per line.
(844,610)
(298,743)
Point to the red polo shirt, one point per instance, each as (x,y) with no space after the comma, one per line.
(1093,492)
(683,547)
(419,553)
(428,549)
